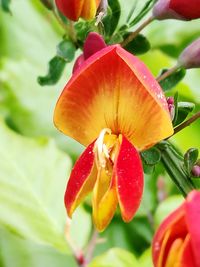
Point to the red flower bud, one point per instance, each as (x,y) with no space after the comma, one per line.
(196,171)
(75,9)
(177,9)
(177,241)
(93,43)
(190,57)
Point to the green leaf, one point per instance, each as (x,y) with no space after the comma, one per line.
(115,258)
(139,45)
(48,4)
(166,207)
(56,68)
(32,183)
(151,156)
(171,81)
(5,4)
(184,108)
(146,259)
(16,252)
(111,20)
(145,9)
(66,50)
(190,159)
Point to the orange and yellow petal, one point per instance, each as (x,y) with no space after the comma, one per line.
(89,9)
(74,9)
(173,227)
(129,179)
(105,201)
(81,181)
(113,89)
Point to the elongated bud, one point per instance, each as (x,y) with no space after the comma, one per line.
(177,9)
(190,57)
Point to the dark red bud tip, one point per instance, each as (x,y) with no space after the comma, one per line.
(196,171)
(171,107)
(79,61)
(93,43)
(190,57)
(170,100)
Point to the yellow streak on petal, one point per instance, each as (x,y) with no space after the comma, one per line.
(162,249)
(89,9)
(173,258)
(104,200)
(84,191)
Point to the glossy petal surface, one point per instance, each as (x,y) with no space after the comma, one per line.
(81,181)
(193,222)
(129,179)
(113,89)
(187,9)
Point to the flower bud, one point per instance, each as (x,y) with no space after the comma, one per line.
(171,107)
(196,171)
(93,43)
(190,57)
(177,9)
(73,9)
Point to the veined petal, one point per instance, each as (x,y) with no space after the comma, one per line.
(193,219)
(104,199)
(129,179)
(172,228)
(81,181)
(113,89)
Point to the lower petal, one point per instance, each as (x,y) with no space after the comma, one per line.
(104,200)
(129,179)
(81,181)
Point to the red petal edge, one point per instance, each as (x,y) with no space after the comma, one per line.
(129,179)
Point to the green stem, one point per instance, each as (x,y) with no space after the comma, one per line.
(137,31)
(167,73)
(174,165)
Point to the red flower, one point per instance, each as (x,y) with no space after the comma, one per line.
(177,9)
(115,107)
(177,241)
(75,9)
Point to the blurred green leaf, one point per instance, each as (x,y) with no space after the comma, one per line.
(139,45)
(66,50)
(16,252)
(48,4)
(184,108)
(115,258)
(32,182)
(145,9)
(5,4)
(146,259)
(111,20)
(166,207)
(56,68)
(190,159)
(172,80)
(151,156)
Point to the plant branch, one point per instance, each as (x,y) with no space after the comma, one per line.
(137,31)
(167,73)
(91,246)
(187,123)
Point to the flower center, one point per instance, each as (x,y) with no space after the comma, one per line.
(105,148)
